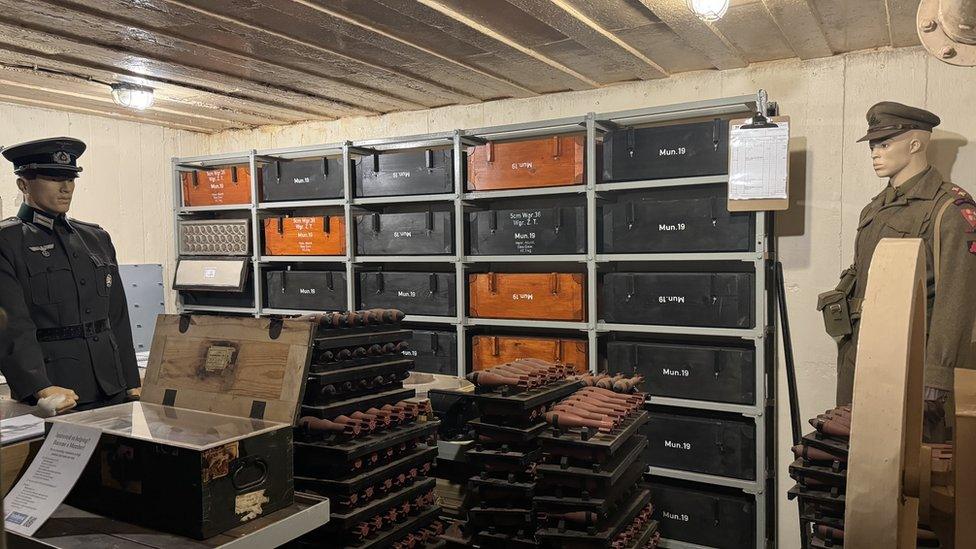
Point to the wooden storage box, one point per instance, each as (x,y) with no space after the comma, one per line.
(433,351)
(532,296)
(546,162)
(715,299)
(409,233)
(218,186)
(488,351)
(663,152)
(695,372)
(396,173)
(528,228)
(306,290)
(704,515)
(313,179)
(703,442)
(319,235)
(414,293)
(209,447)
(678,219)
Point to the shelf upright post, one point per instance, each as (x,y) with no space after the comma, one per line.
(177,205)
(347,190)
(460,284)
(591,272)
(255,236)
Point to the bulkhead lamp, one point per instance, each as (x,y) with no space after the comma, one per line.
(132,96)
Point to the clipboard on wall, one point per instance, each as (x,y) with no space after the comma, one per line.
(759,164)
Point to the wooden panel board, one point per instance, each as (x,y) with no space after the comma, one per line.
(261,369)
(886,427)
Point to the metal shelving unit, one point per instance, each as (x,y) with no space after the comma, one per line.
(593,124)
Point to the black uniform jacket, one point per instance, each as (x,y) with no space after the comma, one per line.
(68,322)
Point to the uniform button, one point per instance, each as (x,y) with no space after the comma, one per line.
(82,282)
(87,310)
(74,255)
(95,338)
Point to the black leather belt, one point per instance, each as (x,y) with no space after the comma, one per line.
(84,330)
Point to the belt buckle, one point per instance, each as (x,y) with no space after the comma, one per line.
(88,329)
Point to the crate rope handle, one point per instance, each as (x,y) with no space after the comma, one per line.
(556,142)
(554,283)
(492,283)
(490,152)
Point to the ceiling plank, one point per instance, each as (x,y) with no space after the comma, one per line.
(231,106)
(453,94)
(127,30)
(565,18)
(902,18)
(696,33)
(95,90)
(801,27)
(374,29)
(83,56)
(436,30)
(55,101)
(508,41)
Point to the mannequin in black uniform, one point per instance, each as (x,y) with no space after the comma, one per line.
(68,334)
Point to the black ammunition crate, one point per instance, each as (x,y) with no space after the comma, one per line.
(663,152)
(675,219)
(528,229)
(412,233)
(423,171)
(720,300)
(695,514)
(696,372)
(433,352)
(414,293)
(702,442)
(220,299)
(315,179)
(306,290)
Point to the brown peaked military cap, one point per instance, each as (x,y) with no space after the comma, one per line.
(888,119)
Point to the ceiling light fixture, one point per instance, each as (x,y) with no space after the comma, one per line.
(132,96)
(709,10)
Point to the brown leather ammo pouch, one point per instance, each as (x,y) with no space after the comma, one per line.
(835,306)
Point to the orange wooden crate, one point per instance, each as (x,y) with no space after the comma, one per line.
(230,185)
(319,235)
(547,162)
(535,296)
(488,351)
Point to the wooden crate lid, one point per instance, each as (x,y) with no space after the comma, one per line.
(236,366)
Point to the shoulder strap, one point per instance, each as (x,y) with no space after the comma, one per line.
(937,246)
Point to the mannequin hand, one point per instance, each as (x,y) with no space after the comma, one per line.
(134,394)
(56,399)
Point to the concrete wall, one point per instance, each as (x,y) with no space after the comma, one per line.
(125,186)
(831,177)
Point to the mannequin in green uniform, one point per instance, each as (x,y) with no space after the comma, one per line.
(916,203)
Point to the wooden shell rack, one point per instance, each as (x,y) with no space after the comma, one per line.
(363,441)
(589,489)
(821,474)
(506,450)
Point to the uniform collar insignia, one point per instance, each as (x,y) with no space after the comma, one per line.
(43,220)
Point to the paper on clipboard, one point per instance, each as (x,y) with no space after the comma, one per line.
(758,162)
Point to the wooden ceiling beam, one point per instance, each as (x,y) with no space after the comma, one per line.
(372,28)
(452,92)
(96,91)
(696,33)
(564,17)
(55,101)
(50,50)
(800,26)
(507,41)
